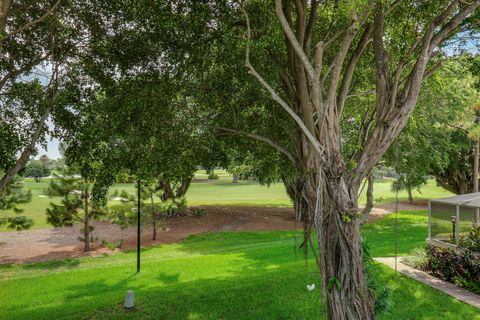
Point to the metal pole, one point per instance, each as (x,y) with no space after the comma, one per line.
(429,220)
(395,230)
(138,226)
(457,226)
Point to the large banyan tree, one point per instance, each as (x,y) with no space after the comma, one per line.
(327,46)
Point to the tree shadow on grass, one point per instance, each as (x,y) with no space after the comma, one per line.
(168,279)
(52,264)
(183,289)
(272,294)
(277,294)
(414,300)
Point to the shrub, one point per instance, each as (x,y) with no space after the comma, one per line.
(112,245)
(463,269)
(418,259)
(472,240)
(199,212)
(213,176)
(382,293)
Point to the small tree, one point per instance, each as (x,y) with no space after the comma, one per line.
(77,205)
(13,195)
(37,170)
(44,160)
(150,210)
(409,182)
(149,191)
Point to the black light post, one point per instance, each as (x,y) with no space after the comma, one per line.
(138,227)
(454,228)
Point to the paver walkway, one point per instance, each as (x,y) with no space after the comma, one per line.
(446,287)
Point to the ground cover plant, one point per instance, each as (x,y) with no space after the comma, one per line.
(460,268)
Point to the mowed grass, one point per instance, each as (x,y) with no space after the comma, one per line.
(382,192)
(220,192)
(225,275)
(412,232)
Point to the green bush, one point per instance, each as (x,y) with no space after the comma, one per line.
(382,293)
(418,259)
(112,245)
(199,212)
(462,269)
(472,240)
(213,176)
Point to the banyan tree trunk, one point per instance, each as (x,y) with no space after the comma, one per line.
(303,210)
(410,195)
(154,237)
(174,193)
(369,205)
(154,217)
(341,267)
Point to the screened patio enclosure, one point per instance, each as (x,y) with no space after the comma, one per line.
(451,218)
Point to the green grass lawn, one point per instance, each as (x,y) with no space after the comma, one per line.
(412,231)
(382,192)
(222,192)
(225,275)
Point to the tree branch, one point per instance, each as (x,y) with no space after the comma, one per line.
(262,139)
(14,73)
(293,40)
(396,114)
(275,96)
(30,148)
(451,25)
(347,78)
(432,71)
(311,23)
(32,23)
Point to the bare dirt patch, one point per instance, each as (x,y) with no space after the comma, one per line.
(58,243)
(385,208)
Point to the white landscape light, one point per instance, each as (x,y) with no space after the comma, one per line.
(129,299)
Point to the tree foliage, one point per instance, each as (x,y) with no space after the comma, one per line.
(14,195)
(77,205)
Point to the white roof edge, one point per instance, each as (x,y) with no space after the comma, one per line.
(467,199)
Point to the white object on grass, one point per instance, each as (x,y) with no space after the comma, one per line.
(129,299)
(310,287)
(119,199)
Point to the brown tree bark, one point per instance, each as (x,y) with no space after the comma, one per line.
(235,178)
(176,190)
(454,179)
(303,209)
(4,12)
(370,201)
(86,225)
(348,296)
(52,95)
(26,153)
(410,196)
(154,217)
